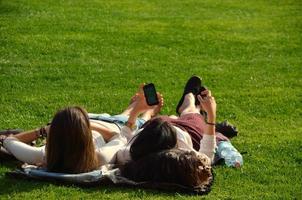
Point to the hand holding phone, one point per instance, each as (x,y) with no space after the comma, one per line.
(203,88)
(150,94)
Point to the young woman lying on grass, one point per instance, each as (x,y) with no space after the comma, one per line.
(190,131)
(173,149)
(160,133)
(75,143)
(162,151)
(72,144)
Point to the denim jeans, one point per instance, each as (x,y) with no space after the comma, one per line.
(119,120)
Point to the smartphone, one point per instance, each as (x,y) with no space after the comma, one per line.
(150,94)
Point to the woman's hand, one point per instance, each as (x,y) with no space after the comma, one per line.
(209,104)
(141,103)
(141,106)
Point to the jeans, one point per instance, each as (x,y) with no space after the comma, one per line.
(119,120)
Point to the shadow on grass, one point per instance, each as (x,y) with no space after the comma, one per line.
(12,185)
(133,192)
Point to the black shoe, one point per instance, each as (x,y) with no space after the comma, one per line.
(226,129)
(193,85)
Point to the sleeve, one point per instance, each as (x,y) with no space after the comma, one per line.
(208,145)
(24,152)
(107,152)
(128,133)
(123,156)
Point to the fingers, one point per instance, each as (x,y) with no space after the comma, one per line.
(205,99)
(206,93)
(141,86)
(133,98)
(160,99)
(159,96)
(200,98)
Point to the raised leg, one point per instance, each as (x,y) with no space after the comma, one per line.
(188,105)
(130,107)
(154,110)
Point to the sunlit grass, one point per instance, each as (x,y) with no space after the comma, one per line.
(95,54)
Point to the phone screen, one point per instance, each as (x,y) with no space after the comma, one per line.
(150,94)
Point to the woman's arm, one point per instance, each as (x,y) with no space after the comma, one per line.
(208,143)
(105,132)
(208,103)
(24,152)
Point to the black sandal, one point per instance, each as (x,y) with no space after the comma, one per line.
(194,86)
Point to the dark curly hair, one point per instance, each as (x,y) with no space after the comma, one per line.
(176,166)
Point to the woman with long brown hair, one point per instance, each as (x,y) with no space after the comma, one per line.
(76,142)
(70,146)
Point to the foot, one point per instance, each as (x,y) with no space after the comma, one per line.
(151,113)
(154,110)
(188,104)
(130,106)
(193,86)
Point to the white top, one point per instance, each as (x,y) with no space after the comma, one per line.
(37,155)
(184,141)
(117,150)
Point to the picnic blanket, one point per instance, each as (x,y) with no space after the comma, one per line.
(106,175)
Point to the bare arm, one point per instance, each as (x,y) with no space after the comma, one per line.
(208,143)
(209,105)
(29,136)
(105,132)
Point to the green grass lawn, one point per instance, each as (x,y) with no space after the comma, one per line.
(95,54)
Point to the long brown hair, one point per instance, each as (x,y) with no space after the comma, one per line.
(70,146)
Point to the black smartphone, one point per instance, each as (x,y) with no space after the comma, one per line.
(150,94)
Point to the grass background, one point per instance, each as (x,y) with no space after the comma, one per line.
(95,53)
